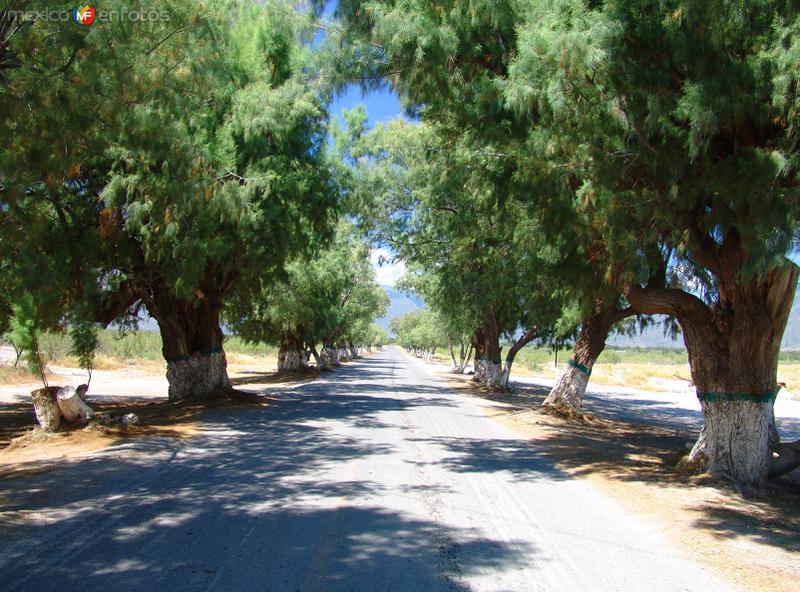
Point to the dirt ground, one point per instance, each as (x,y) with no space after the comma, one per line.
(753,543)
(119,390)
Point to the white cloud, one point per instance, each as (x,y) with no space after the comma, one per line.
(387,271)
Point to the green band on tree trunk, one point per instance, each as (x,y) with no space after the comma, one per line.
(210,352)
(719,397)
(580,367)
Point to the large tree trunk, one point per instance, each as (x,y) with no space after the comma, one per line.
(571,385)
(733,356)
(291,356)
(329,356)
(488,365)
(524,340)
(191,340)
(464,355)
(313,349)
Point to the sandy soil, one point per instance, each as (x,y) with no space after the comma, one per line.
(752,543)
(140,389)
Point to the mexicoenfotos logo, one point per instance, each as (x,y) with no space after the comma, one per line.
(84,16)
(88,15)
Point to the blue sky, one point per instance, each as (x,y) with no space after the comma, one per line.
(381,106)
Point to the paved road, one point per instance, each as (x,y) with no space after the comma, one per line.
(374,478)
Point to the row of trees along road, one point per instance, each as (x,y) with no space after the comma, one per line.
(652,147)
(330,298)
(175,166)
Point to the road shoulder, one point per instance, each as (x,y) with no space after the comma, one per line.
(753,544)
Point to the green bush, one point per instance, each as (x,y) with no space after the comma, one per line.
(138,345)
(54,345)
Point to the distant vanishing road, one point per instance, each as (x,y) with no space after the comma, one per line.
(374,478)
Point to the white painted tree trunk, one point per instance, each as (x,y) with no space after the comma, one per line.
(45,406)
(490,374)
(737,439)
(353,353)
(329,357)
(569,389)
(291,360)
(342,354)
(480,371)
(505,375)
(72,406)
(200,375)
(697,455)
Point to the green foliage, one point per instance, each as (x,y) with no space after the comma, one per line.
(678,122)
(24,332)
(329,297)
(376,336)
(445,205)
(85,341)
(130,345)
(535,358)
(197,163)
(421,331)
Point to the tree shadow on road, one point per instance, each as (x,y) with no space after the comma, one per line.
(637,444)
(232,509)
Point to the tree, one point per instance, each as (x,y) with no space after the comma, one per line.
(330,297)
(85,341)
(671,124)
(205,172)
(376,336)
(679,121)
(449,63)
(445,205)
(421,332)
(25,334)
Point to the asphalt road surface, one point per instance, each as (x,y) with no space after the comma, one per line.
(374,478)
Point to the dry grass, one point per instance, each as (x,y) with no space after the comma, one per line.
(655,377)
(11,375)
(790,375)
(641,376)
(265,363)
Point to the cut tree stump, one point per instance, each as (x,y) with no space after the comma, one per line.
(72,405)
(45,406)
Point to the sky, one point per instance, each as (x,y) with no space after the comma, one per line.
(381,106)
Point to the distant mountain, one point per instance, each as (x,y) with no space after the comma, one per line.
(651,337)
(654,336)
(400,303)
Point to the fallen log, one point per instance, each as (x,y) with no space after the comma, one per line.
(72,405)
